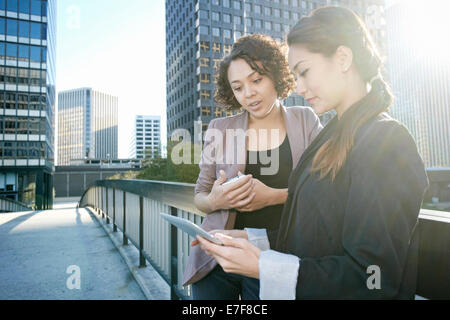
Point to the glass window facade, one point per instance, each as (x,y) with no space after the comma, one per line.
(28,97)
(227,33)
(11,5)
(11,27)
(203,30)
(2,25)
(24,29)
(24,6)
(196,46)
(36,7)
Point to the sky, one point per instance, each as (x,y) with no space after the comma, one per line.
(116,47)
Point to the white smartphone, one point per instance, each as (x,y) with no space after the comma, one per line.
(190,228)
(233,179)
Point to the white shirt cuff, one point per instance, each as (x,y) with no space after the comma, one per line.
(259,238)
(278,275)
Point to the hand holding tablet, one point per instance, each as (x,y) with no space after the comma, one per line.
(190,228)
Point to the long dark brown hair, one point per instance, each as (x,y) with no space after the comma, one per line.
(323,31)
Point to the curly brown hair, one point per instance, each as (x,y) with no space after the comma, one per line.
(255,48)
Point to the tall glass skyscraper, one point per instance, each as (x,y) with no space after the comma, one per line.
(419,68)
(200,32)
(27,100)
(87,125)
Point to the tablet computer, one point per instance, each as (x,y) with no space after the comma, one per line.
(190,228)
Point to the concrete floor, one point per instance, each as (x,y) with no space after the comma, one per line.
(37,250)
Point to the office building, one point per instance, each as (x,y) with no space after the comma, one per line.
(419,69)
(72,181)
(27,100)
(200,32)
(146,138)
(87,125)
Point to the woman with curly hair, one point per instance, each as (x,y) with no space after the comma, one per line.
(254,77)
(348,229)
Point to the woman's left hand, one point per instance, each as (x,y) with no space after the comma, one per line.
(263,197)
(237,255)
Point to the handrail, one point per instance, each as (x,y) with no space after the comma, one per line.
(10,205)
(134,206)
(176,194)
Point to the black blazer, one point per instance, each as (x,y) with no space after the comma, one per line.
(366,217)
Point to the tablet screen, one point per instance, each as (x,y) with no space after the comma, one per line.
(190,228)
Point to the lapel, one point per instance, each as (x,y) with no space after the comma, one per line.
(321,138)
(293,133)
(240,123)
(298,177)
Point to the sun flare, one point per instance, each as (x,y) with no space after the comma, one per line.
(427,27)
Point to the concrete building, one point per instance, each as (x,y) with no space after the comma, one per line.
(27,100)
(87,125)
(419,69)
(200,32)
(146,137)
(71,181)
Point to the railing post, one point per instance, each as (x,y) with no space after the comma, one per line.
(114,210)
(141,232)
(125,240)
(107,206)
(101,202)
(173,258)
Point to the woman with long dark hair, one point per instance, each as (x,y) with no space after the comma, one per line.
(348,228)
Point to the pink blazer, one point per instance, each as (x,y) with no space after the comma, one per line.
(302,126)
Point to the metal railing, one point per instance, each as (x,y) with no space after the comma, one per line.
(133,206)
(9,205)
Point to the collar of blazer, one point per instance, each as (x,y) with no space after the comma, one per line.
(294,128)
(298,177)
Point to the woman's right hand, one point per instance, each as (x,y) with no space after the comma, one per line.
(231,233)
(233,195)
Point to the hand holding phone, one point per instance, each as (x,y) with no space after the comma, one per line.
(233,179)
(234,193)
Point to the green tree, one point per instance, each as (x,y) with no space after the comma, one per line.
(155,169)
(169,169)
(124,175)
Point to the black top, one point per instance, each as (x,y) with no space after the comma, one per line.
(366,217)
(268,217)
